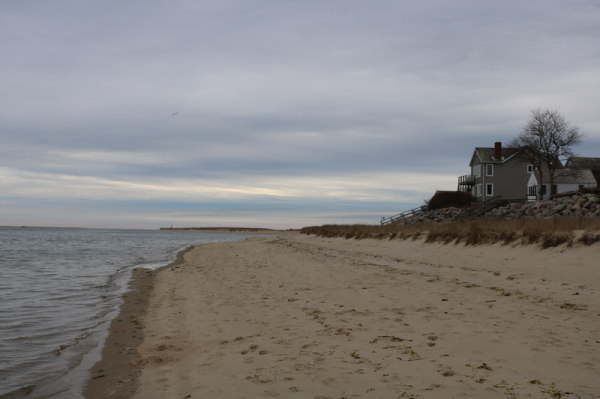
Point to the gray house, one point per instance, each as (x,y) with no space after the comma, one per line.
(496,171)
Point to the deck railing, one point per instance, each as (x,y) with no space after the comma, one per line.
(466,180)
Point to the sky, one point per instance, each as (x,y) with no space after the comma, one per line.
(271,113)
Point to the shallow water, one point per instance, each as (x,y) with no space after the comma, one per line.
(59,288)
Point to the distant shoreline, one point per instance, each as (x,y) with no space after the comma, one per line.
(44,227)
(71,228)
(231,230)
(249,230)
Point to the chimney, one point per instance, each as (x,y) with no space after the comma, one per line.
(498,150)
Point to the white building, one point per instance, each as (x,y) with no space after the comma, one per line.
(564,180)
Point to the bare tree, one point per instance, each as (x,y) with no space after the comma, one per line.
(546,139)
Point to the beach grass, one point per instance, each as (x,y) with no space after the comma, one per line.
(545,233)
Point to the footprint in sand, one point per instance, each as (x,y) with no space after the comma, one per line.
(257,380)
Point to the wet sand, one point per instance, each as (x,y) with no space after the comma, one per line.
(115,376)
(303,317)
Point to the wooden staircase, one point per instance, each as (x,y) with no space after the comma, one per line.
(483,207)
(406,214)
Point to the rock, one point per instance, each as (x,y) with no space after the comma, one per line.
(571,206)
(558,208)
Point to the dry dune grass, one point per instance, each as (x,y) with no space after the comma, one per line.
(545,233)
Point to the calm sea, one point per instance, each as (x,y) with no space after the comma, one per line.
(59,289)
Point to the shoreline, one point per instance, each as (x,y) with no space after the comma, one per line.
(300,316)
(118,378)
(232,230)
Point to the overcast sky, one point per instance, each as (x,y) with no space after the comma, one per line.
(289,113)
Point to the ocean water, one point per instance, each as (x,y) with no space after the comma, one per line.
(59,289)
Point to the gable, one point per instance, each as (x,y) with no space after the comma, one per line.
(474,158)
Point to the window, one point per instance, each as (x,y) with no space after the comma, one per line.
(543,189)
(477,170)
(477,190)
(489,170)
(532,191)
(530,168)
(581,187)
(554,189)
(489,189)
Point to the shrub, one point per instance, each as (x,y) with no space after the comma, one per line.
(447,199)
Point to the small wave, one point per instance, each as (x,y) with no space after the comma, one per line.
(152,266)
(17,393)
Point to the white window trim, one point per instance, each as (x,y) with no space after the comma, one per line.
(486,169)
(479,190)
(477,170)
(529,168)
(486,189)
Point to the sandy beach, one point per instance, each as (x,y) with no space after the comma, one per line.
(297,316)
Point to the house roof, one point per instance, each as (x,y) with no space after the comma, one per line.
(486,154)
(564,176)
(583,163)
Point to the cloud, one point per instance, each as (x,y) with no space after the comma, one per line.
(346,188)
(304,101)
